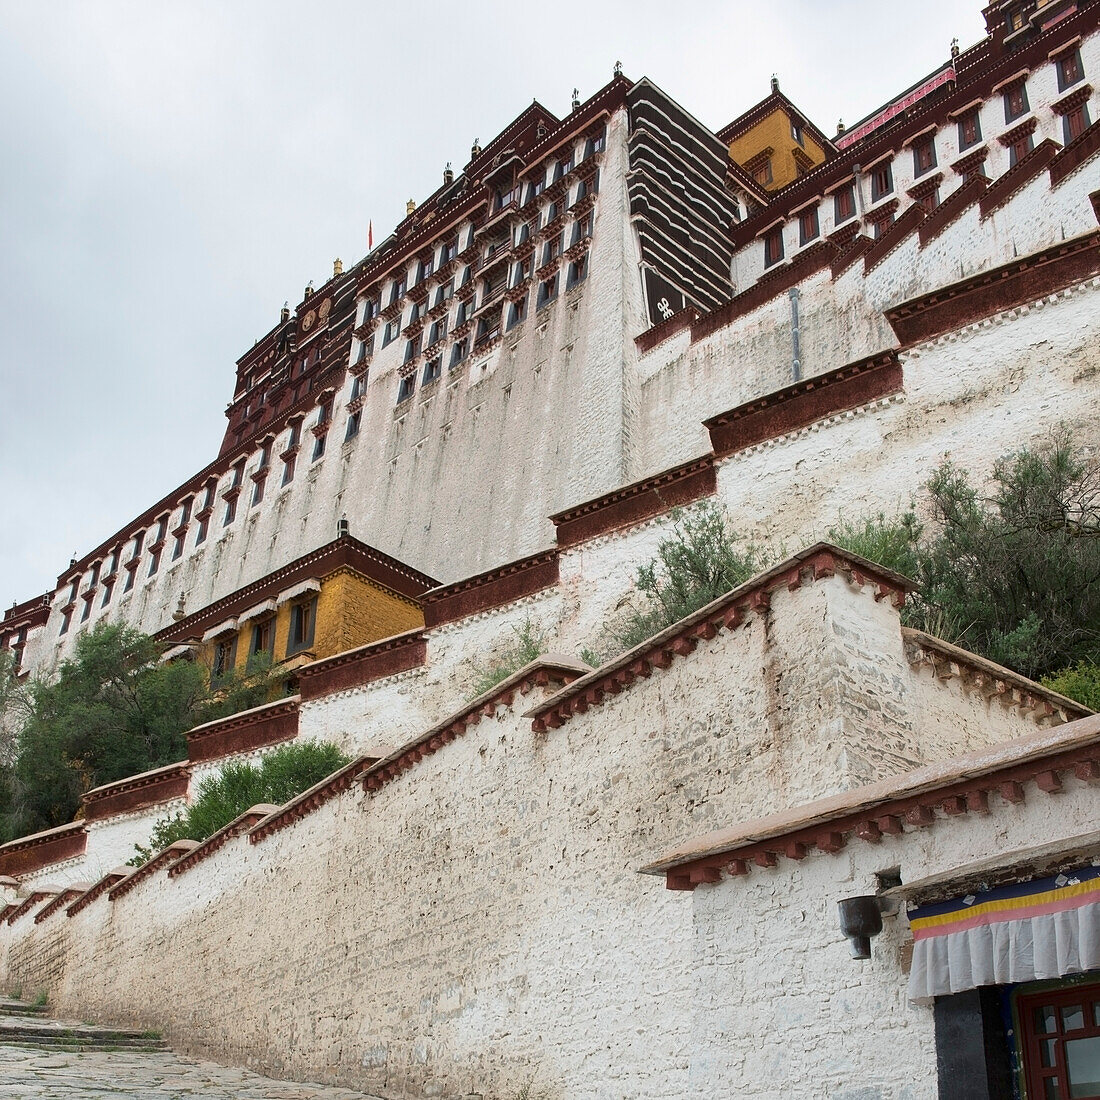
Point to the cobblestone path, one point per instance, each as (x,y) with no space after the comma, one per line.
(32,1069)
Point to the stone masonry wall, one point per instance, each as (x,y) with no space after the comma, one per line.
(831,1027)
(478,922)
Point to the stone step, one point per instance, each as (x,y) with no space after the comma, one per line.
(9,1008)
(44,1034)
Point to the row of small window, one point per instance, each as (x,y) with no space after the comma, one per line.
(522,192)
(494,285)
(1074,124)
(489,328)
(303,622)
(202,525)
(447,251)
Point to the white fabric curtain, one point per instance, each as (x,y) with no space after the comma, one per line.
(1020,933)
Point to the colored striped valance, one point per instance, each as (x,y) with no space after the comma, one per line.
(1029,931)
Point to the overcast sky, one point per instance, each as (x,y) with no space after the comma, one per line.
(172,172)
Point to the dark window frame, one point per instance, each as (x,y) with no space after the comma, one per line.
(774,248)
(224,660)
(1016,101)
(882,181)
(1077,119)
(844,204)
(924,156)
(1069,68)
(809,225)
(299,637)
(970,129)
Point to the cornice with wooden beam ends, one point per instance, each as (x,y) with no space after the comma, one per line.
(972,783)
(728,612)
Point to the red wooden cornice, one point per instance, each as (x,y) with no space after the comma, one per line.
(975,782)
(542,672)
(952,208)
(363,665)
(1018,176)
(813,258)
(29,614)
(1016,283)
(245,731)
(137,791)
(632,504)
(31,853)
(206,848)
(98,889)
(30,901)
(1080,150)
(164,858)
(801,403)
(65,897)
(725,613)
(666,329)
(490,589)
(893,236)
(857,246)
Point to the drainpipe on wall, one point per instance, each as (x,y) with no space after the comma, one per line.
(796,349)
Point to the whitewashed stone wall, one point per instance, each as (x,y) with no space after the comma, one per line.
(479,921)
(830,1027)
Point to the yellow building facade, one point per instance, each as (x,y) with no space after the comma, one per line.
(342,596)
(775,143)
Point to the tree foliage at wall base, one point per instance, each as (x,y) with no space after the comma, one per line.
(113,710)
(278,777)
(1012,574)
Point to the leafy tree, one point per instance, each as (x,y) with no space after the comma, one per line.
(1018,570)
(1080,682)
(699,561)
(1013,575)
(113,710)
(279,776)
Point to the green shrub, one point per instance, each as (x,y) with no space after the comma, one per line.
(113,710)
(1080,682)
(277,778)
(528,644)
(700,560)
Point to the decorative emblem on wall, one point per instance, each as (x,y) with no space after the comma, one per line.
(307,321)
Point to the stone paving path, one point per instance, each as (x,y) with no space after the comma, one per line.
(30,1072)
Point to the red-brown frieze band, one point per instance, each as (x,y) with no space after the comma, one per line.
(356,667)
(972,783)
(244,732)
(804,402)
(1013,284)
(652,496)
(138,792)
(493,588)
(31,853)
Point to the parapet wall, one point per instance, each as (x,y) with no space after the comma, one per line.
(467,906)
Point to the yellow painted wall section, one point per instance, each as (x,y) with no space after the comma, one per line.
(352,611)
(775,131)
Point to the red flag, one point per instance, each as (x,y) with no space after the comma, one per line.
(370,235)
